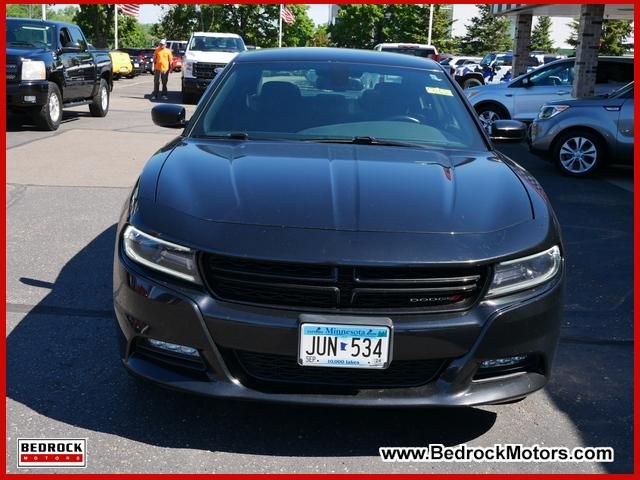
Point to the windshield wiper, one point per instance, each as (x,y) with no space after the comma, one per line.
(366,140)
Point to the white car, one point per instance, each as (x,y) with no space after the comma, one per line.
(415,49)
(206,55)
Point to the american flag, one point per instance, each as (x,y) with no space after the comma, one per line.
(287,15)
(129,9)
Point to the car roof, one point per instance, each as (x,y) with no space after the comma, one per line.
(405,44)
(216,34)
(44,22)
(347,55)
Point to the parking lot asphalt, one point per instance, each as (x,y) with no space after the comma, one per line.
(64,192)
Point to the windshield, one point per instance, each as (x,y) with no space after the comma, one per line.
(216,44)
(623,92)
(338,101)
(29,35)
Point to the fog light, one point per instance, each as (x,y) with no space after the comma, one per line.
(503,362)
(172,347)
(30,98)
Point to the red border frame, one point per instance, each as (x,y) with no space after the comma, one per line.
(636,301)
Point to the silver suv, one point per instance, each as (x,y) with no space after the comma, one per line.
(522,97)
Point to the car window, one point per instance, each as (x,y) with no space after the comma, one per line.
(77,37)
(614,72)
(216,44)
(347,100)
(65,37)
(561,74)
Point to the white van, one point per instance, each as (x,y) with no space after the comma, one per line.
(206,54)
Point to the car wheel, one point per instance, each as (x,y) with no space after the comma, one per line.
(578,153)
(471,82)
(489,114)
(49,115)
(100,105)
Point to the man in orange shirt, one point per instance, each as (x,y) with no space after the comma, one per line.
(162,58)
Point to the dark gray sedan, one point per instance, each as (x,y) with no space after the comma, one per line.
(582,135)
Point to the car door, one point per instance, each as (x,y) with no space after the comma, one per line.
(70,67)
(86,63)
(624,138)
(546,84)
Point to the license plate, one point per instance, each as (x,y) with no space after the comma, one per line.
(346,346)
(136,65)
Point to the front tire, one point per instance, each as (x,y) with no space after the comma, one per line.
(578,153)
(471,82)
(100,105)
(49,116)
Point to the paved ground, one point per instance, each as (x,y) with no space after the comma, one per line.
(64,193)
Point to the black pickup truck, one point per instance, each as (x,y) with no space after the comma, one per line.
(50,66)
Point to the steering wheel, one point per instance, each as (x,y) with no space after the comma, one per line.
(403,118)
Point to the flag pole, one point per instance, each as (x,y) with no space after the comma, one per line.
(280,29)
(115,44)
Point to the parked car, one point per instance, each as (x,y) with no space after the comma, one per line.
(122,65)
(521,98)
(582,135)
(138,63)
(378,251)
(415,49)
(176,61)
(146,55)
(493,68)
(454,62)
(50,66)
(206,55)
(177,45)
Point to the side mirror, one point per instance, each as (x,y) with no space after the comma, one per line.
(503,131)
(71,48)
(169,116)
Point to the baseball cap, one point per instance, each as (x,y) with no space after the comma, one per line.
(163,41)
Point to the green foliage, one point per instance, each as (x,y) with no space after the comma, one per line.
(541,36)
(614,34)
(35,11)
(97,23)
(320,36)
(486,33)
(364,26)
(63,15)
(256,24)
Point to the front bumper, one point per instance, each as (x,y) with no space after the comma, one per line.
(27,94)
(158,308)
(540,136)
(195,85)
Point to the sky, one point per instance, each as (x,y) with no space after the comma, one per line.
(462,13)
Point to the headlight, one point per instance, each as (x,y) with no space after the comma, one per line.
(160,255)
(524,273)
(33,70)
(188,68)
(549,111)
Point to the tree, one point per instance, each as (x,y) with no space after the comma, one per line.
(612,38)
(35,11)
(256,24)
(97,23)
(486,33)
(541,36)
(320,36)
(357,26)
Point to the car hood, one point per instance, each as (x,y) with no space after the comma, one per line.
(14,55)
(342,187)
(212,57)
(599,101)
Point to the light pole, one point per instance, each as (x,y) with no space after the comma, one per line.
(430,22)
(44,11)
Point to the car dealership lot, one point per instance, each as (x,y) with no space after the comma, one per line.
(64,193)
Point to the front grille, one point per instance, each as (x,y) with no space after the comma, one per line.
(12,72)
(325,287)
(206,70)
(264,370)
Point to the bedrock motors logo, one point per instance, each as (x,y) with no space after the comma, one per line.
(52,452)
